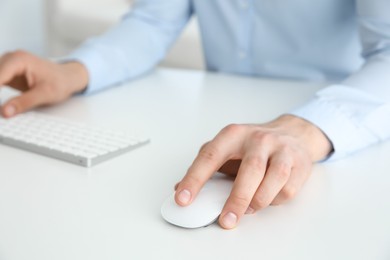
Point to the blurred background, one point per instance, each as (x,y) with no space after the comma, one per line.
(22,25)
(52,28)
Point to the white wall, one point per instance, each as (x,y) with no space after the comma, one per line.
(22,25)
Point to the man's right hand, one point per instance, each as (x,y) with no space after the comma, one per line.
(41,81)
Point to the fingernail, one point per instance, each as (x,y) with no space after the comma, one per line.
(10,110)
(229,220)
(249,210)
(184,196)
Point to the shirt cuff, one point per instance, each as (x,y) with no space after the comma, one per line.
(330,111)
(94,57)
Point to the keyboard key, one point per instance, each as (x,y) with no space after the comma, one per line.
(73,142)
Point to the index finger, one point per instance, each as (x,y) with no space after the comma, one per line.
(211,157)
(11,65)
(250,175)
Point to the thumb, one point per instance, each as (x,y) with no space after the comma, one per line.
(26,101)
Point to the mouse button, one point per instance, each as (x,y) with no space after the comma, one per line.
(190,216)
(218,188)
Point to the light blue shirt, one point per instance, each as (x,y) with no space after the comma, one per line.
(341,41)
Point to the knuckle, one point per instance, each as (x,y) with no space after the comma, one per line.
(203,145)
(262,137)
(260,202)
(15,56)
(208,152)
(285,149)
(232,129)
(240,201)
(288,192)
(255,162)
(20,54)
(283,171)
(6,56)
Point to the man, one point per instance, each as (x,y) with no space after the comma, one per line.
(299,39)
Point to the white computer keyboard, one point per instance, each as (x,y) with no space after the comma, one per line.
(66,140)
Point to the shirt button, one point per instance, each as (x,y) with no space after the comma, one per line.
(242,55)
(244,4)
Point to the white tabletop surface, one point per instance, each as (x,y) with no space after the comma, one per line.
(51,209)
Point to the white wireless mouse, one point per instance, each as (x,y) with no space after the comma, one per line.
(206,207)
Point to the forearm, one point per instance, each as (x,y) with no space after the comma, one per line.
(135,45)
(351,118)
(354,114)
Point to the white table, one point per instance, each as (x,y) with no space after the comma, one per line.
(50,209)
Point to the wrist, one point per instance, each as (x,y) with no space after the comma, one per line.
(75,75)
(311,137)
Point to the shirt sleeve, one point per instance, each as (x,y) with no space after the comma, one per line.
(133,47)
(356,113)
